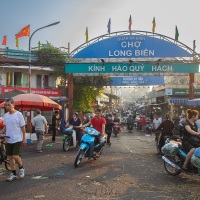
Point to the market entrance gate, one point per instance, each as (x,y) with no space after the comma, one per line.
(135,53)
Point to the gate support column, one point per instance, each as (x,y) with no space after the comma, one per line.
(70,94)
(191,86)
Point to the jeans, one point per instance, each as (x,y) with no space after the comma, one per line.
(108,136)
(54,134)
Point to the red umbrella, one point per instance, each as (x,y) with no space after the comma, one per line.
(30,102)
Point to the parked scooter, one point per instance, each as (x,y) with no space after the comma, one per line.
(173,163)
(69,138)
(89,144)
(116,129)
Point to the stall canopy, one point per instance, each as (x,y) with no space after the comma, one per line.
(193,102)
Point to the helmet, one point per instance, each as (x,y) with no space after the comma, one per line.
(75,113)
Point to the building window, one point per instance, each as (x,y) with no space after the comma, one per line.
(39,81)
(45,81)
(18,79)
(42,81)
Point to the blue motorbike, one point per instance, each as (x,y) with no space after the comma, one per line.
(173,163)
(89,144)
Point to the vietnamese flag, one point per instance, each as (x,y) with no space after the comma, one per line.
(24,32)
(4,40)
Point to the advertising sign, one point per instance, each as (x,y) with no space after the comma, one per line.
(45,92)
(119,68)
(19,54)
(136,80)
(132,46)
(180,92)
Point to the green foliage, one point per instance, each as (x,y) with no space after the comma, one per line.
(48,55)
(86,89)
(84,96)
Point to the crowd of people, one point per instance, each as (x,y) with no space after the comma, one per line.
(14,127)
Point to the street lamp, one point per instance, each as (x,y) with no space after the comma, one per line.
(29,49)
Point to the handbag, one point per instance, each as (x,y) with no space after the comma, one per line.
(195,141)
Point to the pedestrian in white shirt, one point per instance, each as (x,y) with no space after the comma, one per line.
(15,130)
(156,122)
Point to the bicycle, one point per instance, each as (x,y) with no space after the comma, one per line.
(3,156)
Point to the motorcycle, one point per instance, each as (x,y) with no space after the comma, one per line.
(173,163)
(149,128)
(89,145)
(116,129)
(69,138)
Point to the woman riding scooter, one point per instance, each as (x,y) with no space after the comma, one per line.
(190,130)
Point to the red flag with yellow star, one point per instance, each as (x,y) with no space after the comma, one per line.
(24,32)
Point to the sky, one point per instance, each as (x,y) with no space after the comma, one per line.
(76,15)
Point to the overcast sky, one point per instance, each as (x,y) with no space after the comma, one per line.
(75,15)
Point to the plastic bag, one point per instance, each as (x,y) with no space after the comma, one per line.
(170,149)
(197,152)
(195,161)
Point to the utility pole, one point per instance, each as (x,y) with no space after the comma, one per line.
(191,77)
(70,89)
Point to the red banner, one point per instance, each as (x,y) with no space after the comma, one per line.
(45,92)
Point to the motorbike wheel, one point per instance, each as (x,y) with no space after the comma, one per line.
(7,164)
(171,170)
(79,157)
(66,144)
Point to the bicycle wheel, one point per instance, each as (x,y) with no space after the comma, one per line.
(7,164)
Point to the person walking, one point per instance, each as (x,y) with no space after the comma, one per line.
(40,125)
(54,125)
(109,127)
(14,127)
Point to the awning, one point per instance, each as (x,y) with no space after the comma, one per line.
(178,100)
(193,102)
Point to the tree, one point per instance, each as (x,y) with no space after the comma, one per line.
(86,89)
(48,55)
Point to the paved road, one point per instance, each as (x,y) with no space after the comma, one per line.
(129,169)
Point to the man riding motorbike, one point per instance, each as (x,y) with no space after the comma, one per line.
(130,123)
(167,127)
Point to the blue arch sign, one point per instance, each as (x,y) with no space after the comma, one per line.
(132,46)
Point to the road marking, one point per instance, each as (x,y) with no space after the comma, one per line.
(127,148)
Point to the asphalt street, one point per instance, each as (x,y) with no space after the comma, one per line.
(128,169)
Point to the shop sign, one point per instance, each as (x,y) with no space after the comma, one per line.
(45,92)
(180,92)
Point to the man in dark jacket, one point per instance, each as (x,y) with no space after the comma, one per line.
(54,125)
(167,127)
(109,127)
